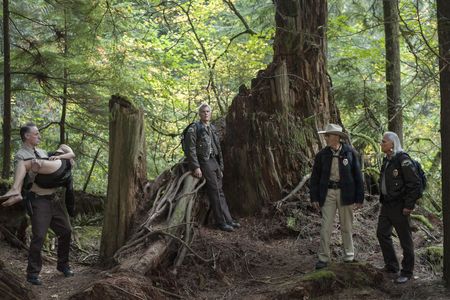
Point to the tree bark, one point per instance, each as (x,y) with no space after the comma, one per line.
(6,94)
(271,130)
(62,122)
(393,80)
(443,14)
(127,169)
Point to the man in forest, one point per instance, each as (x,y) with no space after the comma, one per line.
(46,210)
(336,183)
(204,157)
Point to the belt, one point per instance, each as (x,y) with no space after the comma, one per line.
(334,185)
(50,197)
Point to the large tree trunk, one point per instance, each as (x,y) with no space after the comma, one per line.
(392,45)
(6,168)
(443,13)
(127,169)
(271,129)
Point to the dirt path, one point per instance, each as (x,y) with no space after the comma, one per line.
(250,263)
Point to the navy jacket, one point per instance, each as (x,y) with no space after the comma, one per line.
(351,181)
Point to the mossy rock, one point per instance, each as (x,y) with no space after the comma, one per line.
(328,280)
(356,274)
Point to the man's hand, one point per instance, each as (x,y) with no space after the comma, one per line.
(198,173)
(316,206)
(54,158)
(407,211)
(357,206)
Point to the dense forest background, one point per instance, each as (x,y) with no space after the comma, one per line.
(274,72)
(69,56)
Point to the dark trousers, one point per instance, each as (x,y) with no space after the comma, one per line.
(391,216)
(48,212)
(213,175)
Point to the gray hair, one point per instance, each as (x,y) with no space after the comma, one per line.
(203,105)
(393,137)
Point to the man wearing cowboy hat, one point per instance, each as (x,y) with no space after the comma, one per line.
(336,184)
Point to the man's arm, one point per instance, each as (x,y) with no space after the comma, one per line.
(412,183)
(191,138)
(68,153)
(358,178)
(217,142)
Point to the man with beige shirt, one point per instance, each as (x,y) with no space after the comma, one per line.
(336,184)
(46,211)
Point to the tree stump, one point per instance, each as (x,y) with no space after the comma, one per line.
(127,169)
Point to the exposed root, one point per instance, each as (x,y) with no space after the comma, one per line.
(169,219)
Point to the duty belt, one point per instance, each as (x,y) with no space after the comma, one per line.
(334,185)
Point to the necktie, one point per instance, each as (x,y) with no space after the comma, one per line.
(36,154)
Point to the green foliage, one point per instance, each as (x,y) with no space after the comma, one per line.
(169,56)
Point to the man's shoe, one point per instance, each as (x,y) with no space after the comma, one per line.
(321,264)
(34,280)
(225,227)
(402,279)
(66,271)
(234,224)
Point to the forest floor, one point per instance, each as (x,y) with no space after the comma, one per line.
(262,260)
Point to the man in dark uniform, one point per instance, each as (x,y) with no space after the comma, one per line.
(400,188)
(204,157)
(47,211)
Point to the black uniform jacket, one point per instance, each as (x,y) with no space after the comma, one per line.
(199,144)
(351,182)
(402,181)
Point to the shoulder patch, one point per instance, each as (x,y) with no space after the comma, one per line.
(406,162)
(191,129)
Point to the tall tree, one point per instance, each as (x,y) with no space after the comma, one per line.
(443,15)
(392,45)
(271,129)
(6,93)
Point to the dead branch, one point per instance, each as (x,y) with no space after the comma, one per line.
(297,188)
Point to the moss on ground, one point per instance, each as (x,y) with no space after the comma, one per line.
(422,219)
(435,256)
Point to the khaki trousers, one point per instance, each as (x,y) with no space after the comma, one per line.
(333,202)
